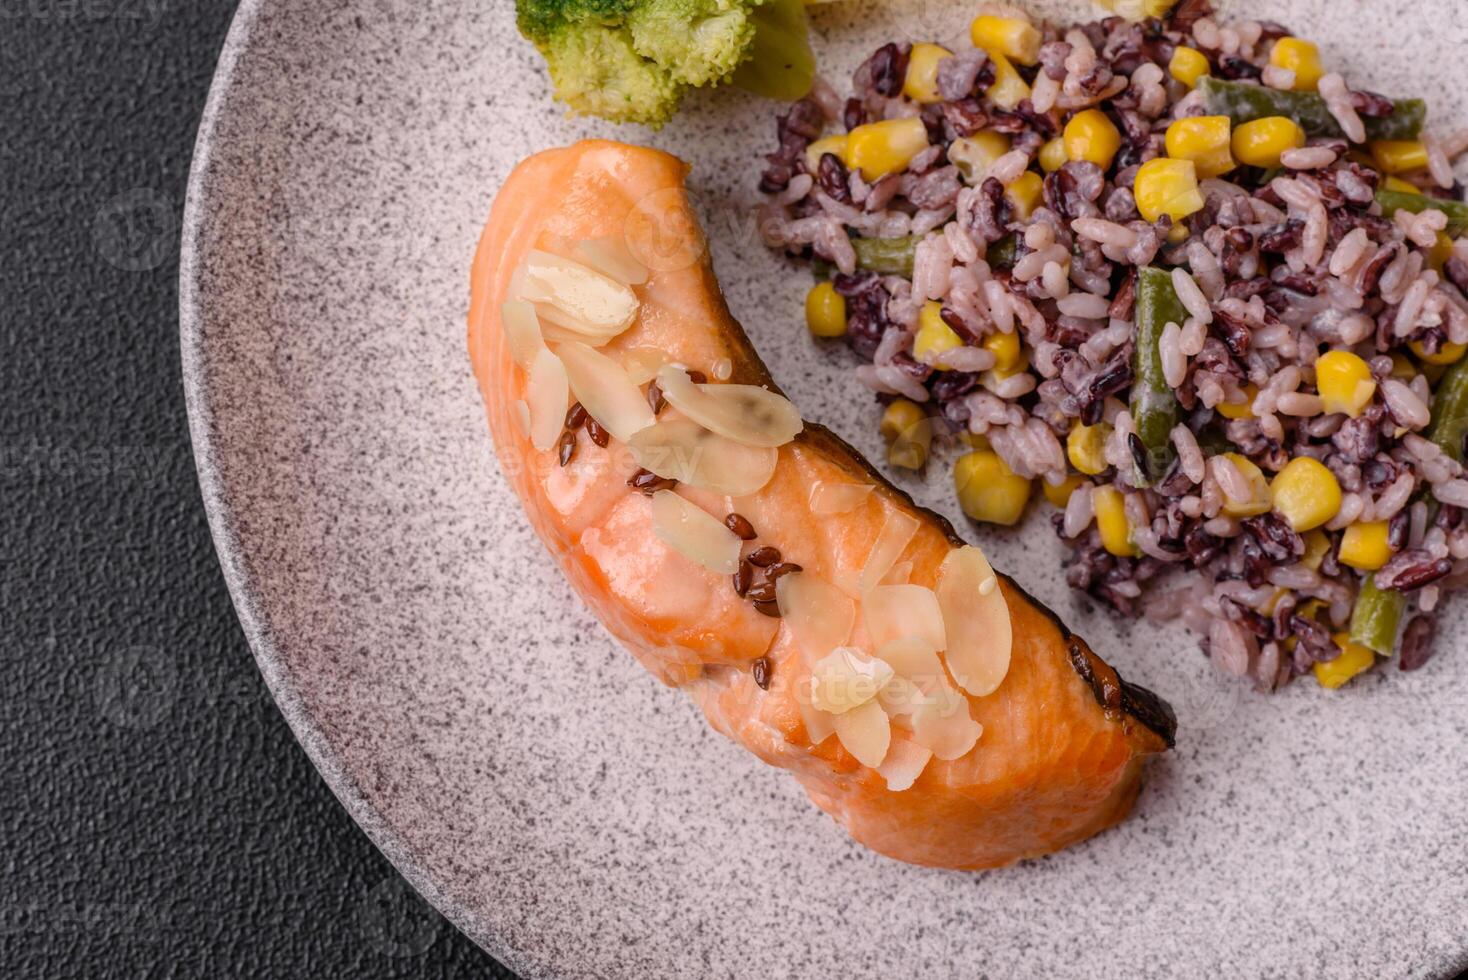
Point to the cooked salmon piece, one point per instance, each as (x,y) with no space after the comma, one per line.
(1063,738)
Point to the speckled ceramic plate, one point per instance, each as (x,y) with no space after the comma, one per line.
(519,768)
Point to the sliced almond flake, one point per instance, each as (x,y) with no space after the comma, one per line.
(611,257)
(913,658)
(846,679)
(582,299)
(642,363)
(605,391)
(977,623)
(891,612)
(547,394)
(866,733)
(944,725)
(901,697)
(560,335)
(819,614)
(892,540)
(745,413)
(819,725)
(900,573)
(694,533)
(522,331)
(520,413)
(837,498)
(905,762)
(683,450)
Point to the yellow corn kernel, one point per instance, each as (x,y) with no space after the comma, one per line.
(1258,502)
(933,335)
(988,490)
(1317,546)
(1239,410)
(900,416)
(1402,367)
(1167,187)
(1052,155)
(1364,546)
(1177,233)
(1085,447)
(1090,135)
(1024,194)
(973,440)
(1116,533)
(996,374)
(1137,10)
(825,311)
(972,155)
(1260,142)
(1009,36)
(881,148)
(1005,348)
(910,449)
(1449,353)
(1188,65)
(1009,89)
(1059,493)
(826,144)
(1354,659)
(1396,183)
(1344,382)
(1205,140)
(1300,57)
(1305,493)
(1441,251)
(921,82)
(1399,156)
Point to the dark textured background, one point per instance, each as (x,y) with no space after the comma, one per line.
(158,817)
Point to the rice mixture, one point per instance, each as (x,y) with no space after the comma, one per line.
(1186,279)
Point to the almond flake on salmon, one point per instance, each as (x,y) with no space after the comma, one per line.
(547,395)
(745,413)
(846,679)
(610,256)
(976,621)
(576,297)
(837,498)
(891,612)
(865,732)
(605,391)
(819,614)
(683,450)
(694,533)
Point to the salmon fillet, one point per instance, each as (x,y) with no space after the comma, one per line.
(1064,738)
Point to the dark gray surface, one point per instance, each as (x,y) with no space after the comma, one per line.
(157,817)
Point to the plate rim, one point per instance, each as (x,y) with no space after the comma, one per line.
(194,369)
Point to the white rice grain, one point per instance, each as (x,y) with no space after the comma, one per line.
(1079,511)
(1191,296)
(1055,280)
(1332,88)
(1454,492)
(1104,232)
(1169,348)
(1394,498)
(1279,78)
(1405,405)
(1299,405)
(1084,305)
(1189,455)
(1350,250)
(1308,158)
(1438,163)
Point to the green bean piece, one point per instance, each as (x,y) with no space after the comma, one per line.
(887,256)
(1001,254)
(1450,410)
(1154,406)
(1457,211)
(1377,616)
(1243,102)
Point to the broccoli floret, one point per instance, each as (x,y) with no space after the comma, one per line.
(630,60)
(698,41)
(596,72)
